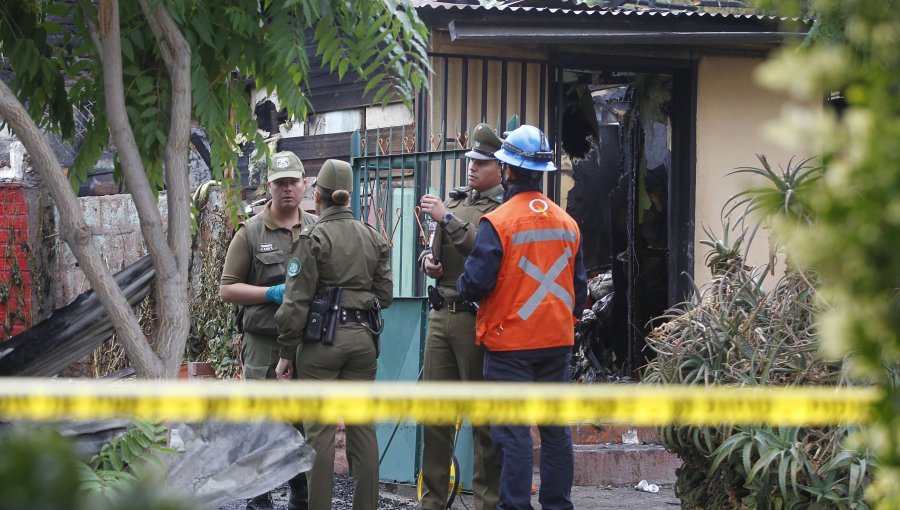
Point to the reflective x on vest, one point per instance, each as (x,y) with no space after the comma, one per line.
(546,281)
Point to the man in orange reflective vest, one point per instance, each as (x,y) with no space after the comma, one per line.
(526,272)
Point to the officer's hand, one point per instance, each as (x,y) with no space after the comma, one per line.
(275,294)
(434,207)
(431,269)
(284,369)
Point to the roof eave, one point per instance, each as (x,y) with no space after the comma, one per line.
(461,31)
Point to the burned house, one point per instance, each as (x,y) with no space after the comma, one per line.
(648,109)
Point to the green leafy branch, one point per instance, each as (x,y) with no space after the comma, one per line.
(123,461)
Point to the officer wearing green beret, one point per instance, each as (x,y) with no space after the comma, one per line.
(450,350)
(345,255)
(253,278)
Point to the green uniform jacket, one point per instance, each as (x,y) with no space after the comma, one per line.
(256,256)
(338,251)
(454,241)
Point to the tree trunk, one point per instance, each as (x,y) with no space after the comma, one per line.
(74,231)
(172,294)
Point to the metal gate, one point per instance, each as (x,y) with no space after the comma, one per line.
(393,168)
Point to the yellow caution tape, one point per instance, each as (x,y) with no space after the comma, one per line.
(481,403)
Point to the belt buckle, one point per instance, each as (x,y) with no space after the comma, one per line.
(452,306)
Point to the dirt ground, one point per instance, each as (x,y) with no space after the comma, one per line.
(599,498)
(403,497)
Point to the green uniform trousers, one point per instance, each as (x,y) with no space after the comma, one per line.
(451,355)
(259,356)
(351,358)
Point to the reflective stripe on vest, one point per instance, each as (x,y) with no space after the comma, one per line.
(544,234)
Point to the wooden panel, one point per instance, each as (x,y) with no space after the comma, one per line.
(328,93)
(333,145)
(337,145)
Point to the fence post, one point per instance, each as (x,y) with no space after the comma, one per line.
(355,152)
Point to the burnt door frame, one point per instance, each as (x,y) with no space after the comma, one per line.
(682,182)
(681,185)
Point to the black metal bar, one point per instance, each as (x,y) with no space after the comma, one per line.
(504,68)
(681,195)
(541,99)
(444,80)
(523,91)
(554,134)
(464,113)
(365,200)
(423,174)
(463,100)
(484,91)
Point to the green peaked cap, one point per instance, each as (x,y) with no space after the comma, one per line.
(485,142)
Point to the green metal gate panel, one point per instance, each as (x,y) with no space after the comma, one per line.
(402,345)
(391,171)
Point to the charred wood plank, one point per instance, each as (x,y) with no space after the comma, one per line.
(73,331)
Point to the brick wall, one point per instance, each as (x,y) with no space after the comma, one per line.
(15,273)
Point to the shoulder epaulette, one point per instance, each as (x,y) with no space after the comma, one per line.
(307,230)
(459,192)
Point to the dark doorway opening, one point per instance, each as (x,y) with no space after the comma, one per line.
(624,133)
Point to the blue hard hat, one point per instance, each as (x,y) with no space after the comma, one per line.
(527,147)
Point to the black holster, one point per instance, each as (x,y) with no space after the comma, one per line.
(377,325)
(434,298)
(324,312)
(334,314)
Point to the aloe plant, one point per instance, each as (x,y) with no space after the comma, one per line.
(736,331)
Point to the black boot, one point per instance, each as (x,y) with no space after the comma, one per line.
(299,498)
(261,502)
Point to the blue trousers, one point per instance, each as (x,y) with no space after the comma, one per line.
(513,444)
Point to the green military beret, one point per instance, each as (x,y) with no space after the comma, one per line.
(485,142)
(334,175)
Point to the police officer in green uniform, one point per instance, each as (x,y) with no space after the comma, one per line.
(253,278)
(450,350)
(341,253)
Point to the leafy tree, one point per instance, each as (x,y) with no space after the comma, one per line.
(141,72)
(854,245)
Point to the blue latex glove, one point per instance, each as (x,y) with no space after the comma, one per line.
(275,294)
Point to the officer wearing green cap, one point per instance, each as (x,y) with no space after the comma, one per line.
(253,279)
(450,350)
(352,260)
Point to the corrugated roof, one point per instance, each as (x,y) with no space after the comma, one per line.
(588,12)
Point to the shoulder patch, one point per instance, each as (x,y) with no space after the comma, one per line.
(293,267)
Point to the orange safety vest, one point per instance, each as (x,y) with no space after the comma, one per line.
(531,305)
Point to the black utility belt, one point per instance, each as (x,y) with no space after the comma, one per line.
(457,306)
(355,315)
(439,302)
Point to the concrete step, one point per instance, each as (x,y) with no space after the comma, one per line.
(623,464)
(607,454)
(601,457)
